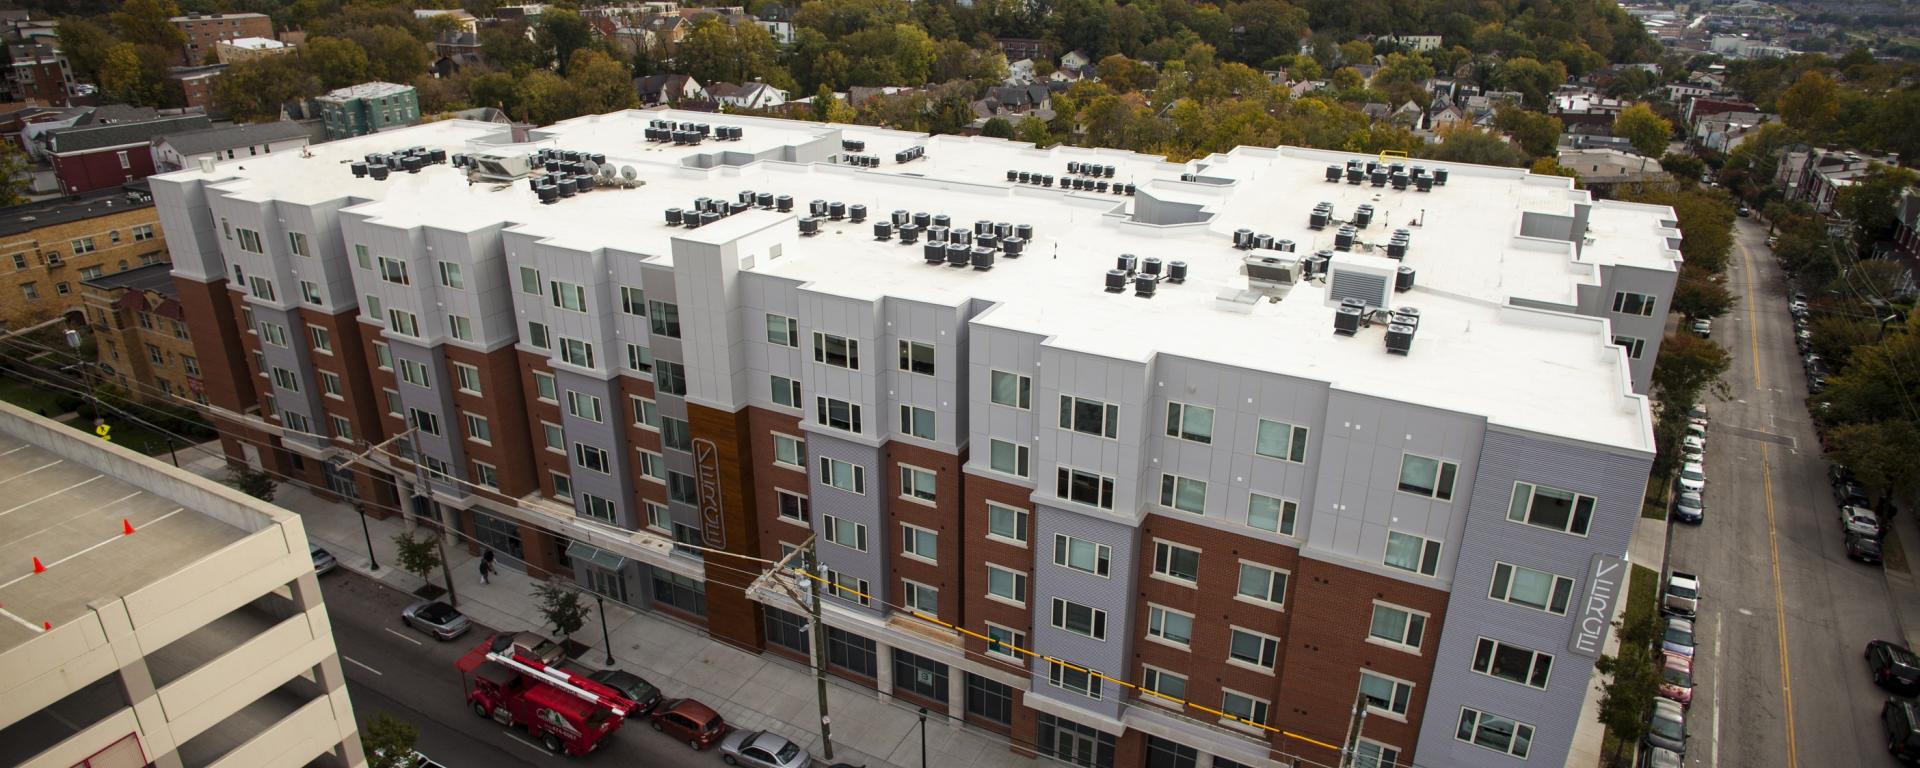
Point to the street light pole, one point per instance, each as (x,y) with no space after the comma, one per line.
(605,635)
(362,509)
(923,737)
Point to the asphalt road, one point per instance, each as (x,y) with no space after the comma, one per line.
(410,675)
(1771,548)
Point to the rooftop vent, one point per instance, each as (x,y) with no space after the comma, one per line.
(1403,280)
(853,145)
(910,154)
(1399,339)
(1363,216)
(1333,173)
(883,230)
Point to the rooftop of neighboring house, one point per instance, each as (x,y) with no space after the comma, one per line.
(61,210)
(254,43)
(216,17)
(373,90)
(191,143)
(150,278)
(1468,250)
(82,138)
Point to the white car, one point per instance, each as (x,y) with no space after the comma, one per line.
(1859,520)
(1693,445)
(1693,477)
(1703,327)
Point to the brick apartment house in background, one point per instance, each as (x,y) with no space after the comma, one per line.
(204,32)
(90,157)
(1174,469)
(195,84)
(37,72)
(140,333)
(47,248)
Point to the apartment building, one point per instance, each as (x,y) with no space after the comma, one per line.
(140,334)
(1141,417)
(368,108)
(205,32)
(156,618)
(48,248)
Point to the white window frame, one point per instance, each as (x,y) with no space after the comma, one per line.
(799,451)
(548,430)
(1064,547)
(1622,303)
(910,598)
(1022,520)
(787,333)
(1533,664)
(1282,575)
(1164,551)
(1442,491)
(1023,390)
(910,484)
(1478,716)
(910,543)
(1287,519)
(646,413)
(1256,706)
(1552,588)
(832,525)
(1056,676)
(1020,580)
(1157,626)
(910,357)
(1108,425)
(850,350)
(911,419)
(653,466)
(476,420)
(1398,684)
(467,379)
(1061,615)
(1299,441)
(1022,458)
(1015,639)
(1407,628)
(1533,497)
(1170,487)
(1150,688)
(1266,641)
(1179,420)
(856,473)
(805,506)
(1431,551)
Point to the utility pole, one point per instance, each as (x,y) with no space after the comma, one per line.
(362,509)
(819,646)
(425,495)
(1351,749)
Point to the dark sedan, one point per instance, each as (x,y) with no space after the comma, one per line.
(1863,548)
(1894,667)
(636,688)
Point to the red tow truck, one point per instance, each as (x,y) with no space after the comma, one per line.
(564,711)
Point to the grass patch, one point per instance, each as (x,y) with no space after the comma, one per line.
(1653,505)
(1643,604)
(32,398)
(131,436)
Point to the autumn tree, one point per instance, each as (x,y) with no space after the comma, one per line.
(253,91)
(149,22)
(393,55)
(1648,132)
(1536,133)
(1467,144)
(85,44)
(337,62)
(1811,103)
(603,84)
(1697,294)
(562,31)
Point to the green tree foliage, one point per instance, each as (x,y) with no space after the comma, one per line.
(1466,144)
(418,555)
(1264,29)
(123,79)
(1550,166)
(1536,133)
(1871,201)
(85,45)
(1034,131)
(1699,294)
(145,22)
(1683,167)
(1123,74)
(392,55)
(543,97)
(388,741)
(1705,216)
(1648,131)
(561,31)
(602,82)
(252,482)
(1534,80)
(337,62)
(507,47)
(1687,366)
(253,91)
(1633,682)
(715,52)
(997,127)
(1811,103)
(15,178)
(1356,52)
(560,604)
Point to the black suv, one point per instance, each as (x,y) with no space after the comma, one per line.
(1894,667)
(1903,734)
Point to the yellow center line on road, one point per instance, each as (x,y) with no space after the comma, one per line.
(1773,534)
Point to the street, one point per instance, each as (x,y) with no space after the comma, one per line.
(410,675)
(1771,559)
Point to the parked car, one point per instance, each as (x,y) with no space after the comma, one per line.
(1863,548)
(1689,507)
(1850,495)
(1697,413)
(1743,211)
(1816,383)
(527,644)
(644,695)
(689,721)
(323,561)
(1860,520)
(1838,475)
(1683,594)
(1703,326)
(1676,678)
(1678,637)
(760,749)
(1658,758)
(1902,720)
(1668,728)
(1894,667)
(1693,477)
(435,618)
(1693,446)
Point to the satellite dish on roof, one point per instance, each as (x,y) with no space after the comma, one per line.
(627,172)
(607,172)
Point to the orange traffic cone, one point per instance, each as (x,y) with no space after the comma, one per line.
(126,527)
(37,567)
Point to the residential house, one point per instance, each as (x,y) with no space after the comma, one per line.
(143,345)
(749,96)
(195,84)
(37,72)
(1702,106)
(1603,170)
(455,50)
(1419,43)
(1075,59)
(667,89)
(87,158)
(204,31)
(463,21)
(1019,72)
(174,151)
(48,247)
(1817,176)
(358,110)
(246,48)
(1446,117)
(1722,132)
(1409,116)
(1017,48)
(1906,235)
(1679,93)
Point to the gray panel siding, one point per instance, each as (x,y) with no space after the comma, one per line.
(1119,382)
(1357,501)
(450,445)
(856,319)
(867,509)
(608,435)
(1112,593)
(942,393)
(192,234)
(1616,481)
(992,349)
(294,358)
(1650,329)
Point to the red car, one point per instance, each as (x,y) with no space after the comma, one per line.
(1676,678)
(689,721)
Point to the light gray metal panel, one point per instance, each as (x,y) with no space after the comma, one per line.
(1112,593)
(450,445)
(192,234)
(607,434)
(295,357)
(271,264)
(857,319)
(990,349)
(1616,481)
(944,328)
(866,509)
(482,297)
(327,264)
(1650,329)
(1120,382)
(761,295)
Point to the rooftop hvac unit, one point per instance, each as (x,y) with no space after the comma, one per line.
(817,208)
(1399,339)
(1003,229)
(1023,231)
(934,253)
(784,203)
(960,236)
(1025,177)
(1073,166)
(882,230)
(763,200)
(936,234)
(746,196)
(1264,241)
(1116,281)
(1144,285)
(1333,173)
(1397,249)
(901,216)
(1423,183)
(673,217)
(1346,320)
(1367,279)
(1283,245)
(1270,272)
(836,210)
(921,219)
(1440,176)
(959,255)
(1378,176)
(547,192)
(1403,280)
(359,169)
(565,183)
(1012,247)
(853,145)
(1013,175)
(857,213)
(1100,186)
(1243,238)
(1400,181)
(809,226)
(982,258)
(709,217)
(1177,272)
(1354,174)
(987,239)
(1319,218)
(1046,180)
(1127,263)
(943,220)
(1343,239)
(1151,266)
(908,233)
(583,183)
(1363,216)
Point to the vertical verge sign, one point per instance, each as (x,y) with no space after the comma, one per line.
(1595,616)
(713,524)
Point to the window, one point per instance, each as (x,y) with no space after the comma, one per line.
(1074,679)
(918,675)
(1165,683)
(271,333)
(838,414)
(342,428)
(262,288)
(1494,732)
(1075,744)
(645,414)
(31,291)
(249,241)
(1080,619)
(555,436)
(1369,754)
(282,378)
(1007,458)
(545,388)
(1267,585)
(191,364)
(652,466)
(682,488)
(1006,584)
(916,357)
(1512,663)
(1242,706)
(145,232)
(846,533)
(393,401)
(1190,422)
(576,352)
(460,327)
(296,241)
(1090,417)
(1427,477)
(659,517)
(633,301)
(468,378)
(1629,303)
(1408,552)
(596,507)
(1002,641)
(1285,442)
(1176,562)
(1253,648)
(1634,346)
(310,292)
(783,330)
(917,422)
(919,542)
(849,588)
(920,598)
(852,652)
(640,358)
(1011,389)
(427,423)
(392,270)
(1183,493)
(383,355)
(478,430)
(1385,694)
(329,383)
(1007,523)
(403,322)
(451,277)
(917,483)
(1084,487)
(1081,555)
(1397,626)
(1169,625)
(568,296)
(837,351)
(670,378)
(792,506)
(1270,514)
(665,318)
(91,273)
(562,485)
(676,433)
(786,630)
(529,280)
(322,339)
(790,451)
(1551,508)
(372,305)
(414,372)
(485,474)
(591,458)
(842,475)
(786,392)
(1538,590)
(687,540)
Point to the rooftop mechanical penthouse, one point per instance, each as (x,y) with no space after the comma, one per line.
(1262,432)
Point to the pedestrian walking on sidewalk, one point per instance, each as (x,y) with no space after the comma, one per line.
(486,566)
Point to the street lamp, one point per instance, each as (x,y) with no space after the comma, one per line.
(923,737)
(606,637)
(362,509)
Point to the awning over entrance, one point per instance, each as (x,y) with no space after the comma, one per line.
(599,557)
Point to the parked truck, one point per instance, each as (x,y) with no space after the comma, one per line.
(1682,596)
(567,713)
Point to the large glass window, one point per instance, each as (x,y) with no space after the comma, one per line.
(1007,458)
(1494,732)
(920,542)
(783,330)
(1162,753)
(664,318)
(852,652)
(1278,440)
(1169,625)
(1253,648)
(1551,508)
(786,630)
(682,592)
(846,533)
(989,699)
(837,351)
(1267,585)
(1190,422)
(1534,589)
(842,475)
(1385,693)
(916,483)
(1183,493)
(1269,513)
(1072,678)
(1630,303)
(1081,555)
(916,357)
(1073,743)
(1090,417)
(1011,389)
(1007,523)
(920,676)
(1176,562)
(918,422)
(1408,552)
(1084,488)
(1007,584)
(1398,626)
(838,414)
(1079,619)
(1427,477)
(1240,705)
(1512,663)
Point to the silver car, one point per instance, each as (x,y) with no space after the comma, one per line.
(323,560)
(1668,728)
(436,618)
(761,749)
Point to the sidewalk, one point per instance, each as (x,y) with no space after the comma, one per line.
(1903,588)
(755,692)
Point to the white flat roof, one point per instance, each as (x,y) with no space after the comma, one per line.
(254,43)
(1474,353)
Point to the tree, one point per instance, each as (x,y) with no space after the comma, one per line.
(388,741)
(392,55)
(337,61)
(1872,201)
(1687,366)
(543,97)
(1698,295)
(1633,682)
(15,179)
(1647,131)
(148,22)
(997,127)
(418,555)
(122,78)
(86,45)
(506,46)
(1536,133)
(1466,144)
(1811,103)
(1033,130)
(1684,167)
(561,32)
(252,482)
(560,604)
(1356,52)
(1550,166)
(603,84)
(252,91)
(1880,454)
